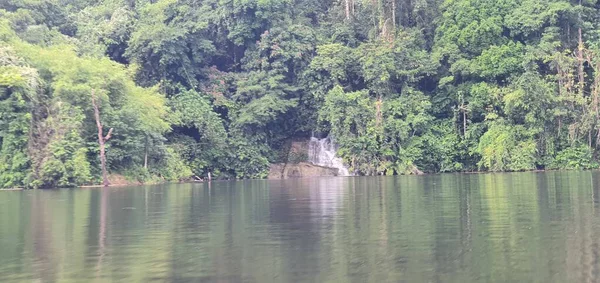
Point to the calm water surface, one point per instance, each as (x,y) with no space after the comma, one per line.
(522,227)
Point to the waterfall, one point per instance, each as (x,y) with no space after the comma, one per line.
(322,152)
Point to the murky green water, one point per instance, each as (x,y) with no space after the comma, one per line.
(522,227)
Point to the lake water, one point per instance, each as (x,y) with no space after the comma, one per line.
(518,227)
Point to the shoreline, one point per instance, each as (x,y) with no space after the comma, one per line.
(120,185)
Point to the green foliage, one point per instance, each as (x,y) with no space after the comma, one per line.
(48,130)
(18,87)
(174,167)
(499,61)
(65,161)
(245,160)
(574,157)
(220,87)
(192,109)
(507,148)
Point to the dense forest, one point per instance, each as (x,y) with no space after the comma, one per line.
(222,86)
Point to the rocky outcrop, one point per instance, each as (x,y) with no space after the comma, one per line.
(298,152)
(294,163)
(300,170)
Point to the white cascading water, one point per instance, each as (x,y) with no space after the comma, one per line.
(322,152)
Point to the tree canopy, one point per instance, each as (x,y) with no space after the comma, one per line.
(220,86)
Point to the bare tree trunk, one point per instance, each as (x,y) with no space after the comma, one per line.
(378,112)
(559,125)
(560,91)
(347,2)
(146,154)
(580,54)
(101,140)
(146,159)
(580,61)
(464,123)
(394,14)
(596,86)
(463,108)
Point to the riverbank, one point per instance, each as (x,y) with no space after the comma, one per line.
(302,170)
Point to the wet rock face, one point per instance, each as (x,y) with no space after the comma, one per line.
(308,158)
(298,152)
(300,170)
(322,152)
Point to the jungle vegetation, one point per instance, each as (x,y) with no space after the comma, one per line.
(221,86)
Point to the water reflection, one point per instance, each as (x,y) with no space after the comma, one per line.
(532,227)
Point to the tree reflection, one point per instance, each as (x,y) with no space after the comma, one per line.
(441,228)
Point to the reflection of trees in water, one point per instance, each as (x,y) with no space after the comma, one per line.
(582,250)
(45,227)
(301,216)
(440,228)
(467,227)
(40,225)
(102,230)
(549,230)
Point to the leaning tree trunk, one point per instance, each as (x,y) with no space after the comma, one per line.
(101,140)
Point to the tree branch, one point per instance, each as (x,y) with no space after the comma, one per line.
(109,135)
